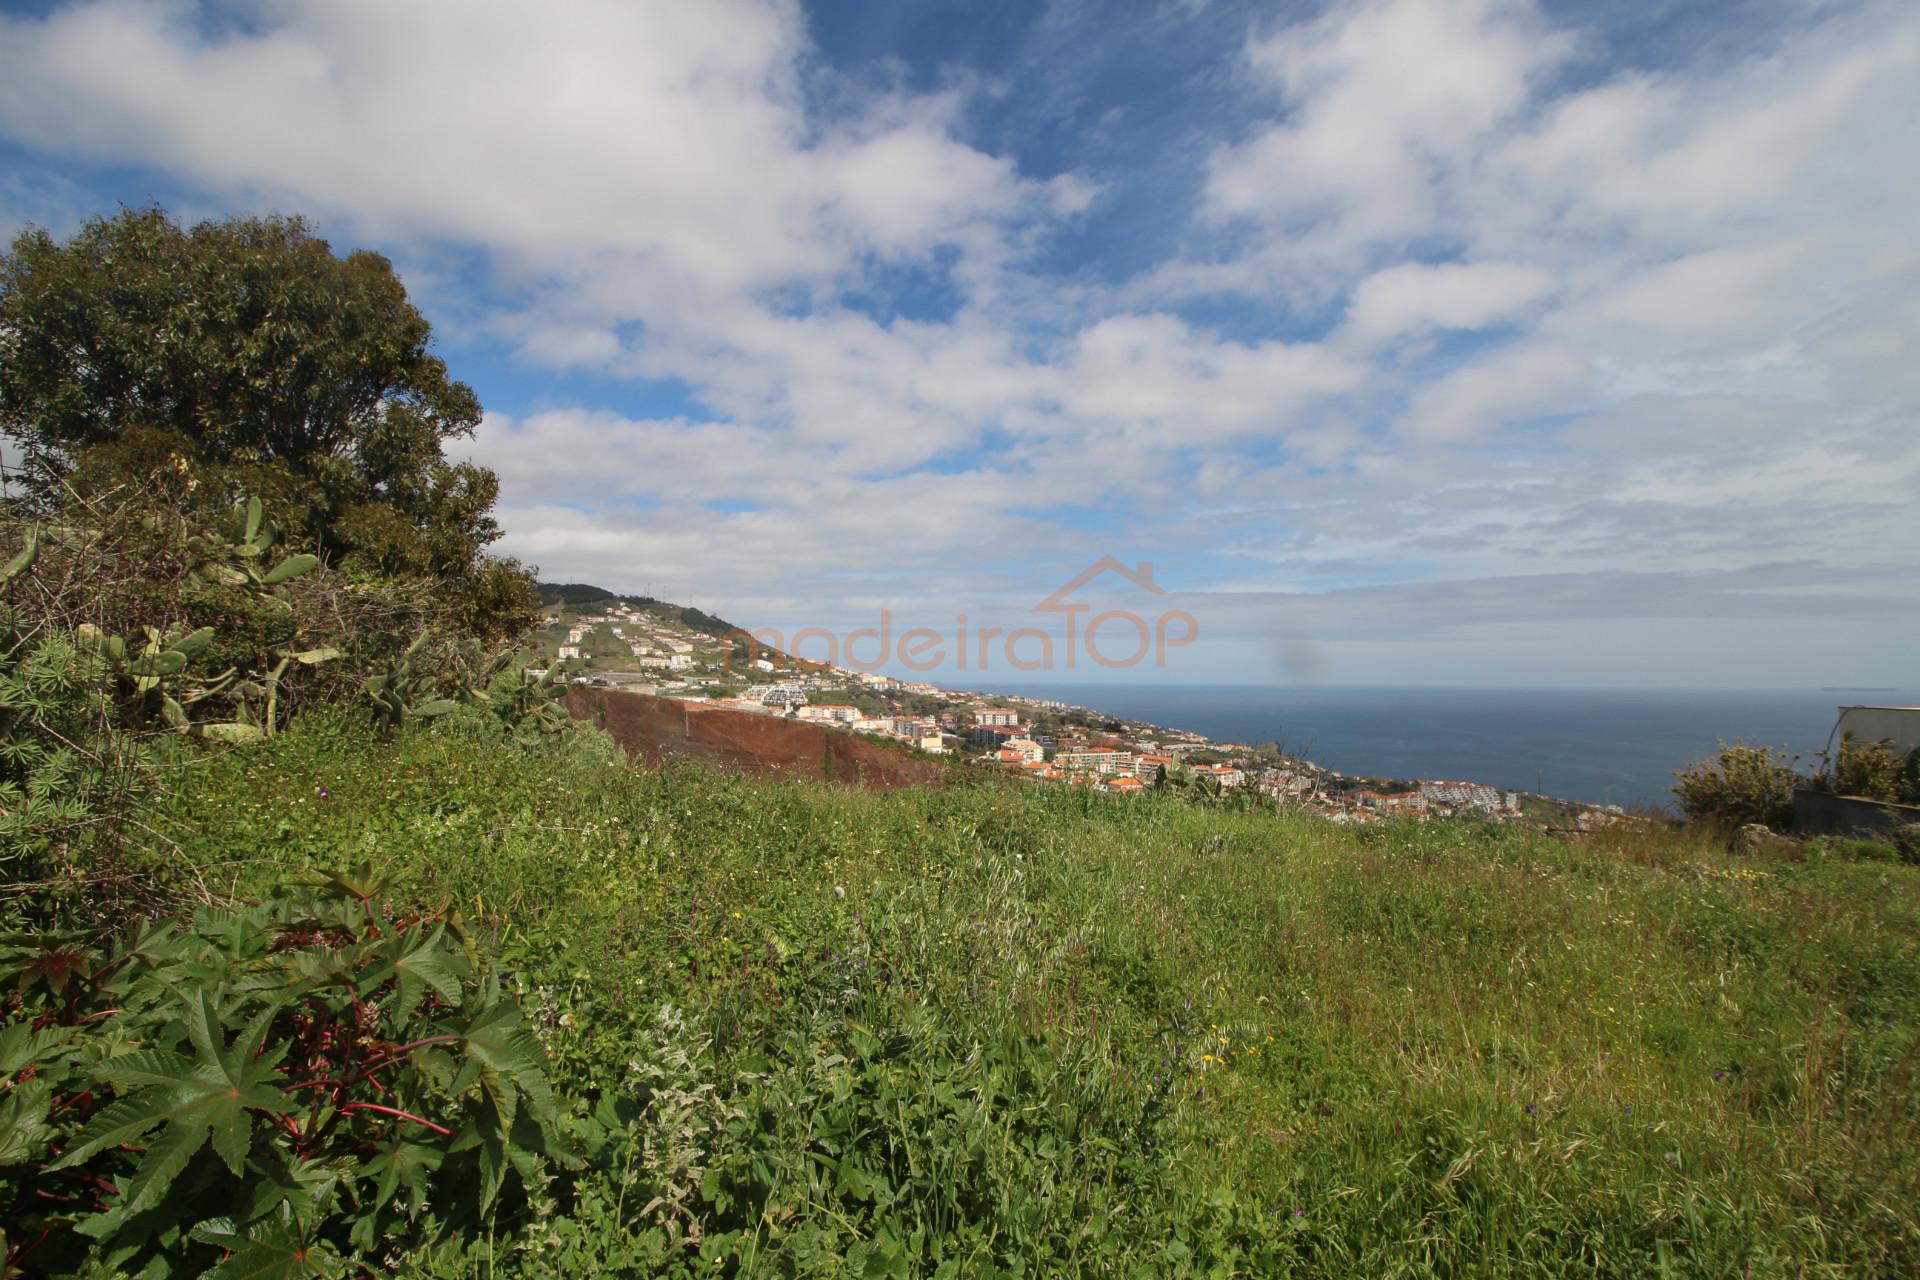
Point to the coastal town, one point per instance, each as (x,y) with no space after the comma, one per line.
(652,647)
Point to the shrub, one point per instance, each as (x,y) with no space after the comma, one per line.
(265,1091)
(1872,771)
(1745,784)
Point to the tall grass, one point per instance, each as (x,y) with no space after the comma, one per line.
(1130,1036)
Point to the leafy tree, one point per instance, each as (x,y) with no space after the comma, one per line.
(244,357)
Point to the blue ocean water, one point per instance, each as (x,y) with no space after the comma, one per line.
(1609,746)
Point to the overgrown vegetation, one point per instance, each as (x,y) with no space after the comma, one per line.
(1749,784)
(260,1091)
(992,1029)
(1872,771)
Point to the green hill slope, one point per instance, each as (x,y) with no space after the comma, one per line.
(996,1030)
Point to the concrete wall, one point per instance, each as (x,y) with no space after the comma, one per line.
(658,729)
(1815,813)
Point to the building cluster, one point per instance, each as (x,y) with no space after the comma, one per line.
(1042,739)
(652,644)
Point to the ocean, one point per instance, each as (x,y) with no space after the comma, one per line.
(1611,746)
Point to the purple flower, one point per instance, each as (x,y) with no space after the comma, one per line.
(1299,1213)
(322,792)
(1626,1111)
(1529,1108)
(1720,1075)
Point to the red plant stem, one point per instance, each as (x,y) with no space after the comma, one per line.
(399,1049)
(17,1256)
(395,1111)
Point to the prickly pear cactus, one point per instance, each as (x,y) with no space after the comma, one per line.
(234,556)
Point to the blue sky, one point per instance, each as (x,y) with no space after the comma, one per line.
(1410,341)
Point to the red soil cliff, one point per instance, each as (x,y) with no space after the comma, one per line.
(656,729)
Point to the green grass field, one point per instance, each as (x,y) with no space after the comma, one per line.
(993,1030)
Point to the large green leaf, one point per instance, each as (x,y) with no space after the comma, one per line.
(191,1100)
(426,962)
(164,663)
(21,1044)
(314,657)
(270,1251)
(291,567)
(164,1158)
(194,643)
(23,1121)
(408,1164)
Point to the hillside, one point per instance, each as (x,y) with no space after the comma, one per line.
(993,1029)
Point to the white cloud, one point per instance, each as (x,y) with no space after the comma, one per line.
(1386,101)
(1416,296)
(1476,400)
(1156,373)
(571,135)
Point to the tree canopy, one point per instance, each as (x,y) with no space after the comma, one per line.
(245,357)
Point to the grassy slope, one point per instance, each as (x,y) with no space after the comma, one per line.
(1250,1041)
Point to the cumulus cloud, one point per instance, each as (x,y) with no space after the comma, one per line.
(1416,296)
(1387,101)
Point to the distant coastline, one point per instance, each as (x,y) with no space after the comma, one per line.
(1592,746)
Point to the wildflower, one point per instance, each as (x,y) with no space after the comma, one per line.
(1530,1108)
(323,793)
